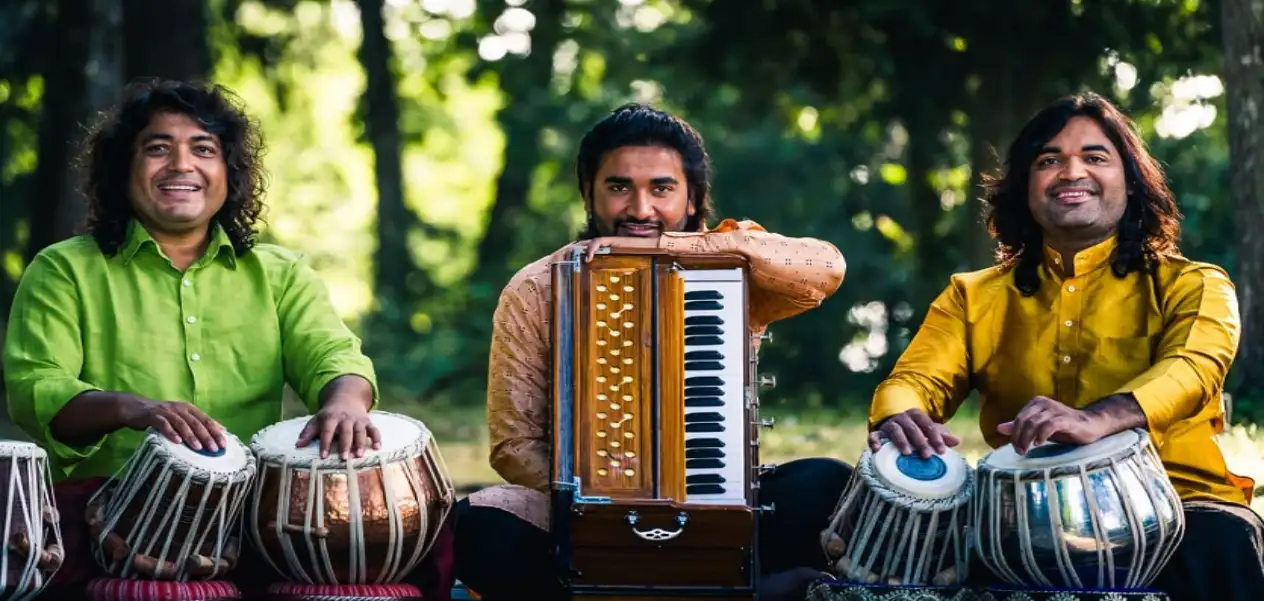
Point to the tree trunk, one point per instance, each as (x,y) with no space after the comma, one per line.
(393,260)
(1243,29)
(166,39)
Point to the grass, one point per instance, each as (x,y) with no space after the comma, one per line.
(462,436)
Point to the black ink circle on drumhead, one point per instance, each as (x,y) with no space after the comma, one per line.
(1051,450)
(917,468)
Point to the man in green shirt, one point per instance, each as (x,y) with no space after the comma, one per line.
(168,314)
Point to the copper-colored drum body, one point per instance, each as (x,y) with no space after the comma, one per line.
(363,521)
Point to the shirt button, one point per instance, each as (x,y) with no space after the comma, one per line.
(187,283)
(1068,323)
(192,319)
(1066,358)
(1071,288)
(196,357)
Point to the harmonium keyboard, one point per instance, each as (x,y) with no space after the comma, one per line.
(655,427)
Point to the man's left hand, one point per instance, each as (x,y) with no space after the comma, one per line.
(1044,419)
(347,418)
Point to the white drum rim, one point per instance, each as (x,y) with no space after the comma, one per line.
(183,459)
(885,468)
(1122,443)
(22,449)
(289,455)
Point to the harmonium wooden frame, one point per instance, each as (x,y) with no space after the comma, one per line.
(624,521)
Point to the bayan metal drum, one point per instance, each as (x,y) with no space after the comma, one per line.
(172,513)
(1102,515)
(902,520)
(32,551)
(367,520)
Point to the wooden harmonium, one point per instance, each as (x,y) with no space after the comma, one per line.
(655,435)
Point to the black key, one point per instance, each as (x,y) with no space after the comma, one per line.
(704,489)
(704,443)
(704,479)
(703,391)
(704,366)
(704,381)
(708,428)
(709,416)
(704,331)
(704,401)
(704,320)
(703,305)
(704,454)
(704,356)
(703,464)
(703,295)
(703,341)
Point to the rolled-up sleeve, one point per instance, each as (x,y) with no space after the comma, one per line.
(933,373)
(1199,342)
(43,355)
(317,346)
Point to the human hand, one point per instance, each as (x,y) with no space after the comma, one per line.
(347,418)
(1043,419)
(179,421)
(914,431)
(592,246)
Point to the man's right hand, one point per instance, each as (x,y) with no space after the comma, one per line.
(914,431)
(178,421)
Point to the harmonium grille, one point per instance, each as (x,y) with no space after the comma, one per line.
(651,377)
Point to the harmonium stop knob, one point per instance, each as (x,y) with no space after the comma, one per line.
(766,337)
(768,381)
(767,422)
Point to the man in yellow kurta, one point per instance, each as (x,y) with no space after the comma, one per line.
(644,176)
(1091,324)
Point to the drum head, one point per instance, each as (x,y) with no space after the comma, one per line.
(939,477)
(1053,454)
(230,460)
(278,440)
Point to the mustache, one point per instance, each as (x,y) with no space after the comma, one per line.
(1089,185)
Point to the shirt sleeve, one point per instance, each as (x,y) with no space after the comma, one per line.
(518,396)
(1198,344)
(317,347)
(789,275)
(43,356)
(933,373)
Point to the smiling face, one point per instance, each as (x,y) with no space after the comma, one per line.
(1078,187)
(179,179)
(640,191)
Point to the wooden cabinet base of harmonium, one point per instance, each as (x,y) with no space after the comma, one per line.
(655,428)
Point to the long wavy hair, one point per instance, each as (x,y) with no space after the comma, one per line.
(639,125)
(106,160)
(1149,229)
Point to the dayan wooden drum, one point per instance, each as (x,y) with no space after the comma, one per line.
(367,520)
(902,520)
(1098,516)
(32,551)
(172,513)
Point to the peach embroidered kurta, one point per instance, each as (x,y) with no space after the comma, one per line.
(788,276)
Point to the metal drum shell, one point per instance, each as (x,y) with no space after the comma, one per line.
(31,525)
(1120,536)
(318,540)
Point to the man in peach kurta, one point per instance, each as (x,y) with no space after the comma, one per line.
(644,176)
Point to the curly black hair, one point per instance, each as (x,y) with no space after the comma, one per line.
(106,160)
(635,124)
(1150,227)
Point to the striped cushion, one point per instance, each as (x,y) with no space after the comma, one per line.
(293,591)
(118,589)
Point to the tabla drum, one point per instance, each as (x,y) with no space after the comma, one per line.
(172,513)
(32,551)
(1096,516)
(367,520)
(902,520)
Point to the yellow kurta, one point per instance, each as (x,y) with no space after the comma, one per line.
(1168,338)
(788,276)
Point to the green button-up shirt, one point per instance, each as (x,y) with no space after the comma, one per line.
(225,335)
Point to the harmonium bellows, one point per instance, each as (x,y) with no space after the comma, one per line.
(655,426)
